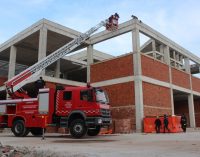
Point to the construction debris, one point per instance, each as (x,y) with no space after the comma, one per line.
(9,151)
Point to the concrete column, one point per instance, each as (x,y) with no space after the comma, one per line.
(57,69)
(154,48)
(42,45)
(166,55)
(161,47)
(190,96)
(139,106)
(174,54)
(187,65)
(167,61)
(90,60)
(191,110)
(153,45)
(12,62)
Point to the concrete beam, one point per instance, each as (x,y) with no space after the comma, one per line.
(63,81)
(146,44)
(114,81)
(22,35)
(55,27)
(69,58)
(12,62)
(36,27)
(150,32)
(105,35)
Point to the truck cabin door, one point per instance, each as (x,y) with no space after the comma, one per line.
(67,102)
(86,98)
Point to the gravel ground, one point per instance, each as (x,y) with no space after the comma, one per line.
(129,145)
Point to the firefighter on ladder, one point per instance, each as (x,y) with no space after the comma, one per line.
(112,22)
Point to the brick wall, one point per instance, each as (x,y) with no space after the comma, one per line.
(180,78)
(50,85)
(197,112)
(157,100)
(122,102)
(111,69)
(181,107)
(154,69)
(2,80)
(196,84)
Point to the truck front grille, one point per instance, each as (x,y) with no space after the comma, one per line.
(105,113)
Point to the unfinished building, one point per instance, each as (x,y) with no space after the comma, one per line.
(154,79)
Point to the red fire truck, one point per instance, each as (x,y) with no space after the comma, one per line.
(81,109)
(84,110)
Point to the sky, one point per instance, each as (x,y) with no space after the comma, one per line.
(177,19)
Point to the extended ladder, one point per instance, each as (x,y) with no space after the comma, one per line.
(21,79)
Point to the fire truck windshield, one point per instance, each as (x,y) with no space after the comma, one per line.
(101,96)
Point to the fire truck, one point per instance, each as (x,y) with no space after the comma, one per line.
(83,110)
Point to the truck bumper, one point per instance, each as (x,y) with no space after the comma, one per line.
(98,121)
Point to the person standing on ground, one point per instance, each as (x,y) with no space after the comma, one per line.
(157,124)
(166,122)
(183,122)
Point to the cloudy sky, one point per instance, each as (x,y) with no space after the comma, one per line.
(177,19)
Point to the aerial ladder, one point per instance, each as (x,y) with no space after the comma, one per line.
(14,85)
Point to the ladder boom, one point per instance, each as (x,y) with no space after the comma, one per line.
(20,80)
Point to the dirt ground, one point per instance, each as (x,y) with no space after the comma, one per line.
(124,145)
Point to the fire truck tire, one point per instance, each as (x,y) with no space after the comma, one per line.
(78,128)
(19,129)
(26,133)
(36,131)
(94,132)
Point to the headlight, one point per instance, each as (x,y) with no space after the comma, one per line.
(99,121)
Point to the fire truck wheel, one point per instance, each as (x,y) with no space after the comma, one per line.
(94,132)
(78,128)
(26,133)
(19,128)
(36,131)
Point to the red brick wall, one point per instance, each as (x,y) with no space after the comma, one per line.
(50,85)
(111,69)
(2,80)
(157,100)
(180,78)
(196,84)
(122,102)
(197,112)
(121,94)
(181,107)
(154,69)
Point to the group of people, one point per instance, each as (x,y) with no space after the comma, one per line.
(158,123)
